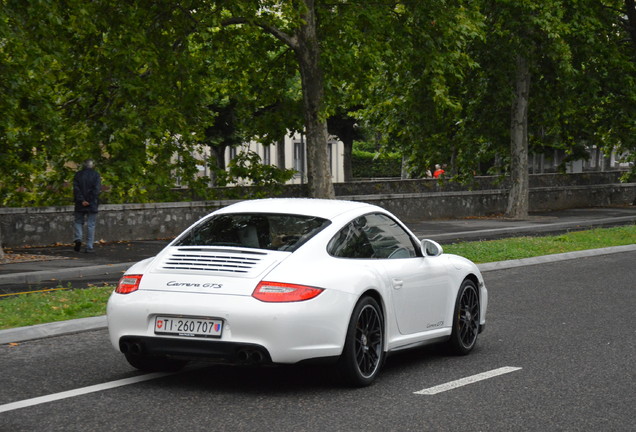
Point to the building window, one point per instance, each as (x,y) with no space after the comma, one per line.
(267,155)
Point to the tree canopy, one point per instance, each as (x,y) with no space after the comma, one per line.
(134,84)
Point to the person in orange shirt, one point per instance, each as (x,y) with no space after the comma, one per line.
(438,171)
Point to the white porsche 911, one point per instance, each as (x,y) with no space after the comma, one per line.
(281,281)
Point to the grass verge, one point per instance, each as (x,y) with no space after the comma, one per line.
(55,305)
(527,247)
(65,304)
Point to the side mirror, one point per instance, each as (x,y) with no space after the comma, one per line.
(431,248)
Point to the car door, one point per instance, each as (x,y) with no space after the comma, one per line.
(419,285)
(420,290)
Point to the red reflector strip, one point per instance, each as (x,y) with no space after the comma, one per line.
(128,284)
(283,292)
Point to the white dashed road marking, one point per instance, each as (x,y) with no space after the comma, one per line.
(140,378)
(80,391)
(468,380)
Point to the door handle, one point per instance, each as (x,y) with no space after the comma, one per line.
(398,283)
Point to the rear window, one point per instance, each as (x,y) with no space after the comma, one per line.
(281,232)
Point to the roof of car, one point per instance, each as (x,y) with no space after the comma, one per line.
(325,208)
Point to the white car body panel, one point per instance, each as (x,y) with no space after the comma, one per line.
(212,270)
(276,327)
(417,294)
(419,306)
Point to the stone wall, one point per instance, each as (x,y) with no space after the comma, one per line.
(411,200)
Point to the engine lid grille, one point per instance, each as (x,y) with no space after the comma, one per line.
(211,260)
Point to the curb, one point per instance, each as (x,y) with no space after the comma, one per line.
(74,272)
(504,265)
(535,228)
(22,334)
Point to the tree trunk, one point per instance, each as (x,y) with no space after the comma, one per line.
(308,55)
(404,172)
(518,198)
(630,11)
(280,153)
(1,249)
(344,127)
(218,153)
(346,158)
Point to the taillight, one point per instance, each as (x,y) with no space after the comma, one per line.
(284,292)
(128,284)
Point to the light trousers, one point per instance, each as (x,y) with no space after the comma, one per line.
(90,219)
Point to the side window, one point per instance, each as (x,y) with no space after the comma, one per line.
(372,236)
(388,239)
(351,241)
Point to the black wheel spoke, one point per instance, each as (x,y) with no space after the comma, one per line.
(468,319)
(363,352)
(368,340)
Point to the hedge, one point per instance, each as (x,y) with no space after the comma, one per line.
(372,165)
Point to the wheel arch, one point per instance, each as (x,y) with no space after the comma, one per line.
(480,288)
(473,277)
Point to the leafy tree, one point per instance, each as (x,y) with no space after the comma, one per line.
(415,100)
(550,75)
(246,169)
(345,127)
(134,83)
(87,80)
(627,17)
(223,132)
(565,60)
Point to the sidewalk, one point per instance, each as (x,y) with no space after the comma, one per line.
(61,262)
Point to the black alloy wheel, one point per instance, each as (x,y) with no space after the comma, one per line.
(465,319)
(363,353)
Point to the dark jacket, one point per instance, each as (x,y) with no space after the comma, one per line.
(86,187)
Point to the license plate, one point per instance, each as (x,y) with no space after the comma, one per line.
(188,326)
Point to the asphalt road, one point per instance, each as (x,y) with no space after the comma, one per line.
(568,326)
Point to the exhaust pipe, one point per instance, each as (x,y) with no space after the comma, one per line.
(249,356)
(124,347)
(243,356)
(130,347)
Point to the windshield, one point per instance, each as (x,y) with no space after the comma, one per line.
(281,232)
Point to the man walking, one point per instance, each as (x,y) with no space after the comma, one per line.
(86,188)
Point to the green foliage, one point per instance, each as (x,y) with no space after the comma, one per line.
(372,165)
(141,86)
(576,59)
(59,304)
(88,80)
(415,102)
(246,169)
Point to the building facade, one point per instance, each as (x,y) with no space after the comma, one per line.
(288,153)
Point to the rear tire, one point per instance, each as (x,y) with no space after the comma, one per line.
(465,319)
(363,352)
(155,364)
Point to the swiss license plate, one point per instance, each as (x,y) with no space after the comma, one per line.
(188,326)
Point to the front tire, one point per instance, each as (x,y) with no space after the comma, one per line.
(465,319)
(363,352)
